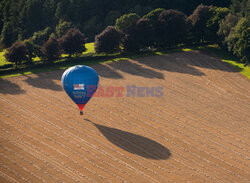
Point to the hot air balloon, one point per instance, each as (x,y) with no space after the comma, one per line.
(80,83)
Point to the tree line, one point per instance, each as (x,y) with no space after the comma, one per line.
(159,29)
(72,42)
(22,19)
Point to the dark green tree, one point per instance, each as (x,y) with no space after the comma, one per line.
(199,20)
(171,28)
(140,10)
(50,50)
(153,16)
(189,39)
(126,21)
(89,16)
(138,36)
(65,10)
(220,3)
(111,17)
(34,18)
(8,35)
(73,42)
(108,41)
(16,53)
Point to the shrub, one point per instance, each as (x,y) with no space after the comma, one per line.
(126,21)
(138,36)
(16,53)
(50,50)
(171,28)
(72,42)
(199,20)
(108,41)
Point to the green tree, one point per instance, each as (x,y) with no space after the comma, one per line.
(240,7)
(217,14)
(32,50)
(238,40)
(62,28)
(226,26)
(11,21)
(126,21)
(42,36)
(8,35)
(153,16)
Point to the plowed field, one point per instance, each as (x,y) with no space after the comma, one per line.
(198,131)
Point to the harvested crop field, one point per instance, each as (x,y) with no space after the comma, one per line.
(198,131)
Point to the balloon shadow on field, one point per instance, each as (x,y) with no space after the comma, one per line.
(135,144)
(8,87)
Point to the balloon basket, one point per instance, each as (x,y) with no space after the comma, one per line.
(81,112)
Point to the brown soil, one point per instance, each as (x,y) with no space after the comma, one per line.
(198,131)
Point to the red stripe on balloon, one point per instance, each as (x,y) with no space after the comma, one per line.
(81,106)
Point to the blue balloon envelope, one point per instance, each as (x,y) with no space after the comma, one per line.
(80,83)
